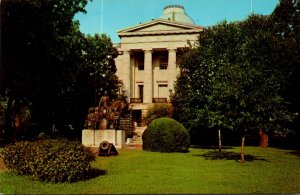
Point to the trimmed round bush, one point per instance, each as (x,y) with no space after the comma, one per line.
(51,160)
(166,135)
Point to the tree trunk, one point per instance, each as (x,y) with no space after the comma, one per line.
(243,150)
(220,141)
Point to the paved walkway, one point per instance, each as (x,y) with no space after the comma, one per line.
(136,146)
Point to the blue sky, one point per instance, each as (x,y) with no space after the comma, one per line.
(119,14)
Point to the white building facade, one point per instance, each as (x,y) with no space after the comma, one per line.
(147,64)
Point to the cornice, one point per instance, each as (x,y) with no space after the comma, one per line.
(142,33)
(186,28)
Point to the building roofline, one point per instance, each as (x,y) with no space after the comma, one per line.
(187,26)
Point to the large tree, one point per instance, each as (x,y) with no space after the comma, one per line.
(235,78)
(286,17)
(43,58)
(37,56)
(95,75)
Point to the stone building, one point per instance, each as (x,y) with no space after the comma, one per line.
(148,55)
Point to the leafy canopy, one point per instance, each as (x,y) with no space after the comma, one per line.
(234,77)
(49,66)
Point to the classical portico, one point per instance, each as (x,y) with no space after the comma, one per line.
(148,55)
(151,68)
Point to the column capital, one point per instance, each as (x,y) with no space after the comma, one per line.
(172,49)
(148,51)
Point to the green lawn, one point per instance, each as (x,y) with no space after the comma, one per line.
(273,171)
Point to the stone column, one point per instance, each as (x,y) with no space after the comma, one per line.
(127,73)
(172,71)
(148,86)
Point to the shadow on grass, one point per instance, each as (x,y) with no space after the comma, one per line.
(224,155)
(210,147)
(295,152)
(93,173)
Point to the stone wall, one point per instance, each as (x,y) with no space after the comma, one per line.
(93,138)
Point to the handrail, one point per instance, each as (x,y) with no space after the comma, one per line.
(136,100)
(159,100)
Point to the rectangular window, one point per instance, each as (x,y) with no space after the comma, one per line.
(141,64)
(140,60)
(163,61)
(163,64)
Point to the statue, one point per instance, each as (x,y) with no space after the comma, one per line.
(92,119)
(104,101)
(106,115)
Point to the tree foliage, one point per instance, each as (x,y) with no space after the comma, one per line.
(234,78)
(95,75)
(286,17)
(49,66)
(99,63)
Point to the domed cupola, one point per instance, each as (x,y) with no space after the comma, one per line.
(176,13)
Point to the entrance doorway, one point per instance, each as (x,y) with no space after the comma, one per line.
(137,117)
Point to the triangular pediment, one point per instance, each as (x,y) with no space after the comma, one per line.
(159,26)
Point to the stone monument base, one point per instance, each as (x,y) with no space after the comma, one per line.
(93,138)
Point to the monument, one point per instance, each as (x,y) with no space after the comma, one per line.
(103,123)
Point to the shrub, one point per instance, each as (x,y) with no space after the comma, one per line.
(166,135)
(158,111)
(49,160)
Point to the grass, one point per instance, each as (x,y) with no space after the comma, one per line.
(269,170)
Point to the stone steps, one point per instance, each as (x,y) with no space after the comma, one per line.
(137,141)
(140,130)
(135,144)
